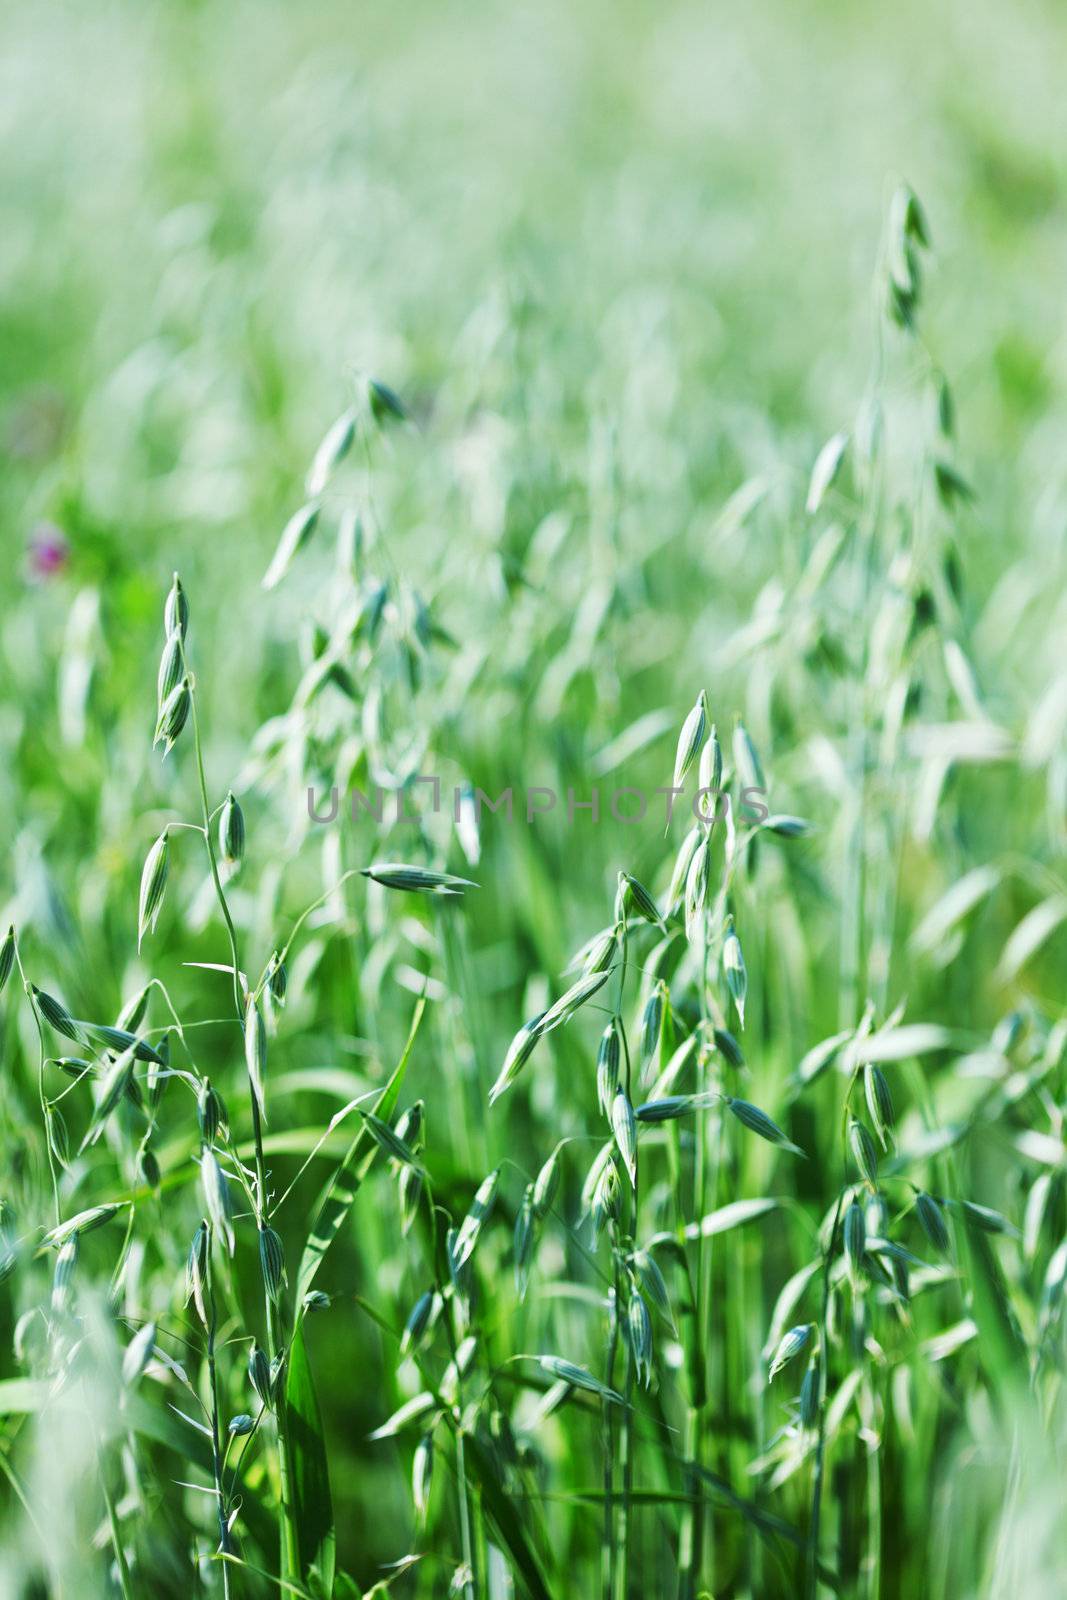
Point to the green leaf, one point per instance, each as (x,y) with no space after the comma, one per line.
(336,1199)
(309,1477)
(505,1521)
(734,1215)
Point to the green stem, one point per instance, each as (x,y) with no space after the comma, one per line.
(41,1096)
(691,1537)
(290,1547)
(820,1448)
(225,1545)
(622,1515)
(452,1328)
(607,1553)
(464,1508)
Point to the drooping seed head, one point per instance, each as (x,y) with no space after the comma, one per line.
(697,884)
(757,1121)
(728,1047)
(652,1022)
(157,1076)
(410,1188)
(240,1425)
(519,1052)
(416,880)
(471,1227)
(209,1111)
(57,1135)
(624,1125)
(385,404)
(546,1185)
(84,1222)
(138,1354)
(173,715)
(271,1261)
(149,1167)
(809,1396)
(331,452)
(682,863)
(879,1102)
(635,895)
(7,956)
(932,1220)
(135,1010)
(122,1039)
(294,536)
(669,1107)
(63,1277)
(171,670)
(525,1231)
(196,1271)
(691,738)
(864,1152)
(855,1235)
(176,610)
(733,965)
(789,1346)
(646,1270)
(876,1216)
(605,1198)
(824,472)
(387,1139)
(601,951)
(56,1014)
(709,775)
(153,886)
(639,1331)
(232,833)
(420,1321)
(409,1124)
(256,1052)
(217,1196)
(574,998)
(277,979)
(259,1375)
(747,761)
(607,1065)
(117,1082)
(786,827)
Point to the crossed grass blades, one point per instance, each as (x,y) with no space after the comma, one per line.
(681,1296)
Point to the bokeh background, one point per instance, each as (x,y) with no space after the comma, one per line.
(618,260)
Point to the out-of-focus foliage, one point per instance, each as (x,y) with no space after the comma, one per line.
(617,262)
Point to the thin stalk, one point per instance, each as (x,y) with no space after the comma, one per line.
(626,1467)
(450,1325)
(290,1550)
(812,1587)
(464,1508)
(622,1518)
(607,1554)
(225,1545)
(691,1536)
(40,1083)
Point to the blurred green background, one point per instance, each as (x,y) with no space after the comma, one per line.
(617,259)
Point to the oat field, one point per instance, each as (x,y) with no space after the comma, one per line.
(533,746)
